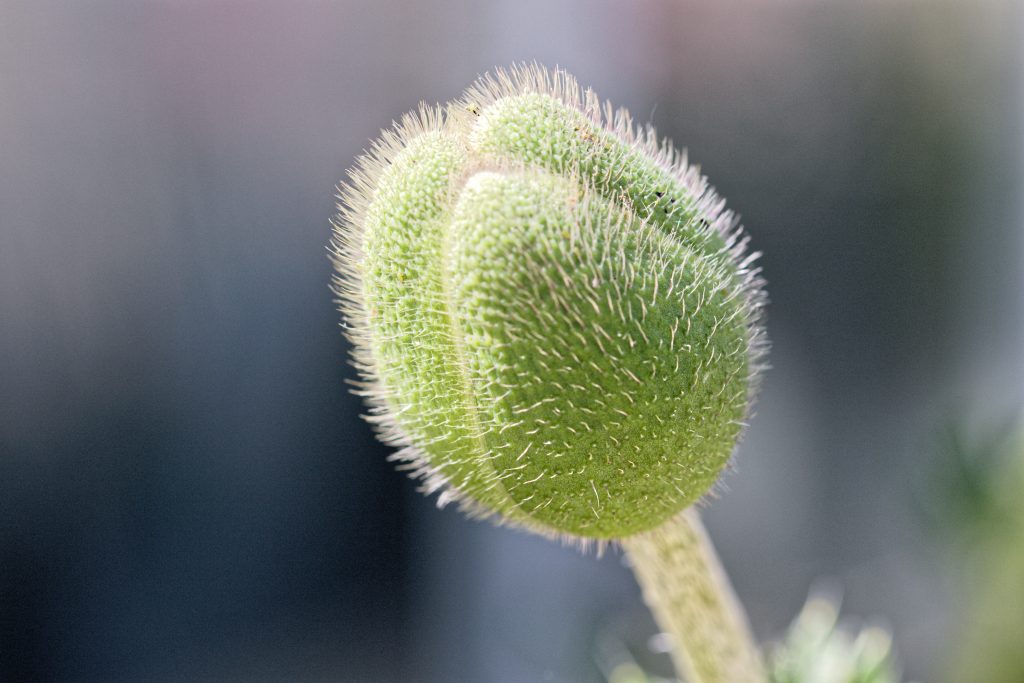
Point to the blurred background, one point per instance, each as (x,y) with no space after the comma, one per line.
(186,489)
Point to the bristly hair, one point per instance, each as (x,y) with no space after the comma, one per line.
(357,193)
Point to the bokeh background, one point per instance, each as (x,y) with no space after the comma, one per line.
(186,490)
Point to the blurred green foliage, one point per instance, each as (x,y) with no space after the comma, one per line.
(985,515)
(819,648)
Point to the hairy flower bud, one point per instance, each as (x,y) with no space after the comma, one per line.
(552,313)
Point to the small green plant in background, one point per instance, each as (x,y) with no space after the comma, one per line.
(558,324)
(820,648)
(981,510)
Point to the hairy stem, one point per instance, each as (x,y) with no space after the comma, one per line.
(687,590)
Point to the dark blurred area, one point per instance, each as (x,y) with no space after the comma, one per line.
(186,489)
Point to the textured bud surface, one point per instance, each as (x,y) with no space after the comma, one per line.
(552,313)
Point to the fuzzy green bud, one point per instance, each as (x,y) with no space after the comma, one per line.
(552,313)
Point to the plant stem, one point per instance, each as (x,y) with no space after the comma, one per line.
(687,590)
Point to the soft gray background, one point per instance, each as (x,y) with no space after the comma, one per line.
(185,489)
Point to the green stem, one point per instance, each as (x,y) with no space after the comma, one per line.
(687,590)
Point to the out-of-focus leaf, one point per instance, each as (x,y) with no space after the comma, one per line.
(820,649)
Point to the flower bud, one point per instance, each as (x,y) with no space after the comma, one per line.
(553,315)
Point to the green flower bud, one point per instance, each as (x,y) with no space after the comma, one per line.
(554,316)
